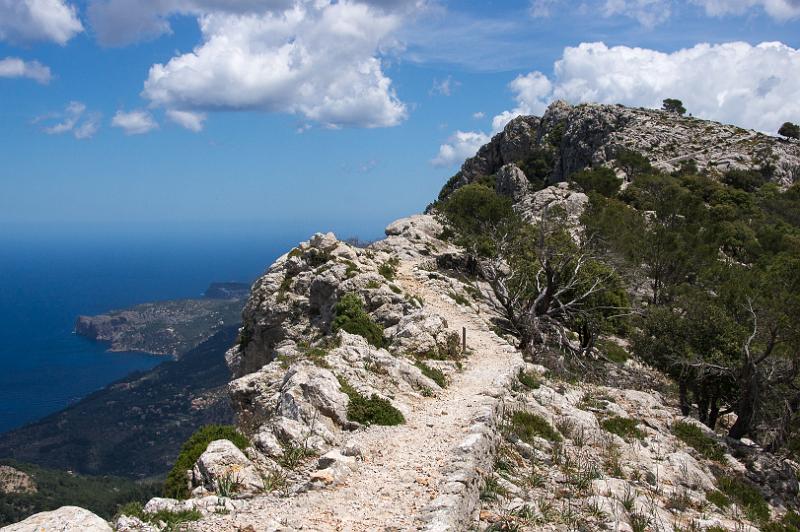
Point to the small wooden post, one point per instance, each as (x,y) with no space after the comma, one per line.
(463,339)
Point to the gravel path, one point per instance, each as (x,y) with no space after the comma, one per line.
(403,465)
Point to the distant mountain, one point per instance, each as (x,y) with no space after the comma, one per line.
(134,427)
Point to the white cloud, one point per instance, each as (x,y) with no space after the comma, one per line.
(134,122)
(13,67)
(38,20)
(751,86)
(74,119)
(187,119)
(444,87)
(120,22)
(285,62)
(778,9)
(480,115)
(461,145)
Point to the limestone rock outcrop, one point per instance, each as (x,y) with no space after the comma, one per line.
(65,519)
(224,467)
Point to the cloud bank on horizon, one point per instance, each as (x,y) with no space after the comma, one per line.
(751,86)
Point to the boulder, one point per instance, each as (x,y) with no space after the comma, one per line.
(224,463)
(65,519)
(512,183)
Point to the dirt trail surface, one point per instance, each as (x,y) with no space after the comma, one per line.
(403,465)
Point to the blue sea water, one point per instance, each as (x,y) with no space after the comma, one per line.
(45,283)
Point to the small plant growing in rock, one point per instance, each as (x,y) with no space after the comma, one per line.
(527,426)
(370,411)
(719,499)
(694,437)
(746,496)
(176,486)
(389,269)
(530,380)
(166,521)
(294,456)
(350,316)
(492,489)
(433,374)
(624,427)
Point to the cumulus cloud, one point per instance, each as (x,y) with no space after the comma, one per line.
(38,20)
(751,86)
(74,119)
(136,122)
(461,145)
(778,9)
(284,62)
(13,67)
(186,119)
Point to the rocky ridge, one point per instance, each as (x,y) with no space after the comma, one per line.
(491,442)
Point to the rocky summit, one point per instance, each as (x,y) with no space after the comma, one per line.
(388,387)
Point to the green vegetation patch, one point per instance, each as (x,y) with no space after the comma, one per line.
(530,380)
(175,486)
(350,316)
(528,426)
(170,520)
(614,352)
(746,496)
(719,499)
(370,411)
(693,436)
(624,427)
(389,269)
(433,374)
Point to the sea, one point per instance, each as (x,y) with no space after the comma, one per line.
(46,282)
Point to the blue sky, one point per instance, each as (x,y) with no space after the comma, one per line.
(345,115)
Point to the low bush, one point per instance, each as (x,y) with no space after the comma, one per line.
(746,497)
(614,352)
(531,380)
(350,316)
(370,411)
(433,374)
(527,426)
(175,486)
(624,427)
(693,436)
(389,269)
(601,180)
(167,521)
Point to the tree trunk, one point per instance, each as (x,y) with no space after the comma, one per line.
(683,392)
(746,406)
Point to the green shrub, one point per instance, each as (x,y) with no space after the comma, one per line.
(601,180)
(614,352)
(527,426)
(693,436)
(746,496)
(389,269)
(175,486)
(531,380)
(719,499)
(350,316)
(433,374)
(171,520)
(370,411)
(624,427)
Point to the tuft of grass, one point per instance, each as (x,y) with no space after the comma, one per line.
(175,486)
(370,411)
(530,380)
(459,298)
(624,427)
(352,269)
(719,499)
(693,436)
(166,521)
(396,289)
(373,284)
(389,269)
(433,374)
(492,489)
(746,496)
(527,426)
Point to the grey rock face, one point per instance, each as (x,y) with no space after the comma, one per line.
(512,183)
(65,519)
